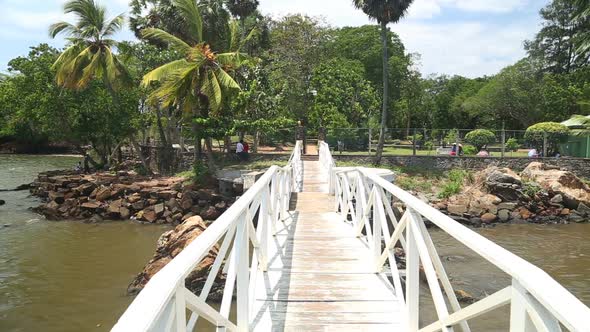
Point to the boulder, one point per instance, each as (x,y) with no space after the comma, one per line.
(557,199)
(457,209)
(2,202)
(583,209)
(103,194)
(572,189)
(504,215)
(85,189)
(211,213)
(90,205)
(139,205)
(125,213)
(114,209)
(134,198)
(503,183)
(150,215)
(488,218)
(159,209)
(169,246)
(57,197)
(95,219)
(507,206)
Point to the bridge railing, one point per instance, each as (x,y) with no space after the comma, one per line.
(537,301)
(241,249)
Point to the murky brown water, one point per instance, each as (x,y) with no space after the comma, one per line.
(69,276)
(62,276)
(563,251)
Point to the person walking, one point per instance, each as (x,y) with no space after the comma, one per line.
(240,149)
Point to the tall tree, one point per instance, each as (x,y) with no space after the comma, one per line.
(199,81)
(89,54)
(384,12)
(557,45)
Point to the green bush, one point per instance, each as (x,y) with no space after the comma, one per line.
(453,187)
(429,145)
(419,137)
(200,172)
(452,136)
(470,150)
(556,133)
(480,138)
(512,144)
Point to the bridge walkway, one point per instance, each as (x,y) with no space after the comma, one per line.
(320,276)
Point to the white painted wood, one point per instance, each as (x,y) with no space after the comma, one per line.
(481,307)
(412,279)
(199,306)
(180,308)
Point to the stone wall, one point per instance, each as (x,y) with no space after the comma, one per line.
(578,166)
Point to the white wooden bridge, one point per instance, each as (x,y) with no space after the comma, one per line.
(311,247)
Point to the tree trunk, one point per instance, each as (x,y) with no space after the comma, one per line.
(256,141)
(379,153)
(210,158)
(137,149)
(227,144)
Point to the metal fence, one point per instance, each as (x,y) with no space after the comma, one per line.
(432,142)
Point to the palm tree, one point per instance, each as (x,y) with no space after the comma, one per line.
(384,12)
(89,54)
(199,81)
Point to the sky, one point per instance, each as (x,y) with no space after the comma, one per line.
(471,38)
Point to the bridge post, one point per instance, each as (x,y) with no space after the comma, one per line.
(242,257)
(412,277)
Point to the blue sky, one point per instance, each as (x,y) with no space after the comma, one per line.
(465,37)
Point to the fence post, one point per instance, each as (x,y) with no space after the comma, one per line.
(370,137)
(544,145)
(414,143)
(503,141)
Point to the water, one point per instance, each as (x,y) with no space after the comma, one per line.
(563,251)
(62,276)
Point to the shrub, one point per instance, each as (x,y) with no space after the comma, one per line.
(452,136)
(429,145)
(453,187)
(419,137)
(512,144)
(200,172)
(470,150)
(480,138)
(556,133)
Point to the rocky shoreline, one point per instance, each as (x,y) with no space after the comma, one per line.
(539,194)
(124,196)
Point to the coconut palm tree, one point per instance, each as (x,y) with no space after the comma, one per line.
(198,82)
(89,53)
(384,12)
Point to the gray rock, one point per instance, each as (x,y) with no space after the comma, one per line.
(583,209)
(557,199)
(504,215)
(507,206)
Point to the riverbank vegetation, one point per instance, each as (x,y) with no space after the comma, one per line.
(225,69)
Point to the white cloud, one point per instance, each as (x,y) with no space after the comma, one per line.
(492,6)
(466,48)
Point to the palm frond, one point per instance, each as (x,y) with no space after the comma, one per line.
(114,25)
(116,73)
(192,17)
(65,27)
(252,34)
(212,90)
(160,35)
(225,80)
(89,72)
(164,71)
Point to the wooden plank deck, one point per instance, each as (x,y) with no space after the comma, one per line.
(320,276)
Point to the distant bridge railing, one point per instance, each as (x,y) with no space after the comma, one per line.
(537,301)
(162,304)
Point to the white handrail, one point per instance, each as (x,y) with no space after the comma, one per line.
(537,300)
(162,304)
